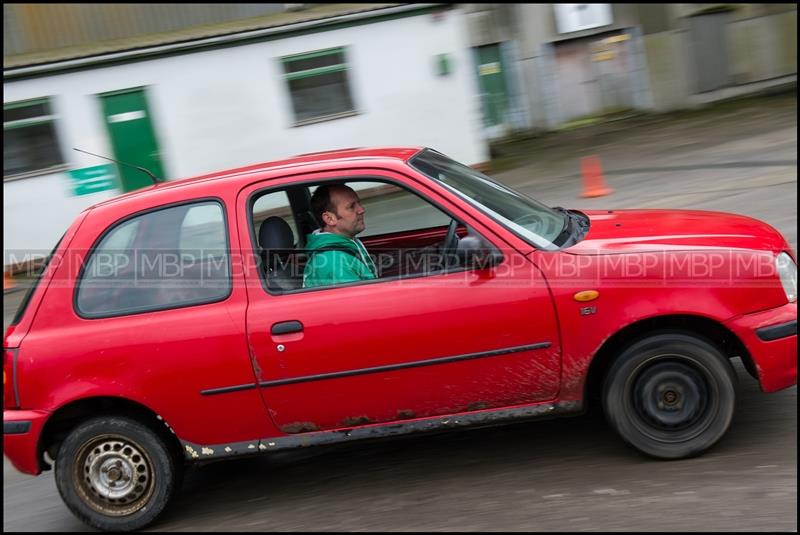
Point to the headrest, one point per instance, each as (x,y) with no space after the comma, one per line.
(275,233)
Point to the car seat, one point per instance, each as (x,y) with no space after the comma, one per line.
(276,240)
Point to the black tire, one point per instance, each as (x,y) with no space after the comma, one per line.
(670,395)
(115,473)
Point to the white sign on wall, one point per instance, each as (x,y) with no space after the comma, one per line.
(127,116)
(575,17)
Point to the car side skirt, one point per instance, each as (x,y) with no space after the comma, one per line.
(485,418)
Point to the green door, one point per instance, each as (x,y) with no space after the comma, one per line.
(132,137)
(492,82)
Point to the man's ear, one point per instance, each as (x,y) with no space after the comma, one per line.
(328,219)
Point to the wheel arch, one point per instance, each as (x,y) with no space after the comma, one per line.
(67,417)
(703,327)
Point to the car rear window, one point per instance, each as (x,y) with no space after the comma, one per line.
(171,257)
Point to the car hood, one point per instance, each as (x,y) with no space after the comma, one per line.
(634,231)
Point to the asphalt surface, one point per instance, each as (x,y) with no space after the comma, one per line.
(561,475)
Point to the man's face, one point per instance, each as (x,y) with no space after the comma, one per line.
(349,217)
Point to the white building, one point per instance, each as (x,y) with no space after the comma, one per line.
(188,103)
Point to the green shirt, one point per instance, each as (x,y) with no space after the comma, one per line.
(336,267)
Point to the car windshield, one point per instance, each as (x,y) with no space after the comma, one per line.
(538,224)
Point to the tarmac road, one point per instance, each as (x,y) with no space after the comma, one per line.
(561,475)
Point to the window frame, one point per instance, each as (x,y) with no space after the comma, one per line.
(51,119)
(345,179)
(307,73)
(121,221)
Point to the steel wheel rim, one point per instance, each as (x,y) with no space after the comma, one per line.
(672,398)
(114,475)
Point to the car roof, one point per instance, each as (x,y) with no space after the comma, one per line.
(312,158)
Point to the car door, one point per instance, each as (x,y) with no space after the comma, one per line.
(401,348)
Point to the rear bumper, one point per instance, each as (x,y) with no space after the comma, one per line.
(21,430)
(771,338)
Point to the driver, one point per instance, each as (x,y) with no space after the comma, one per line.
(335,255)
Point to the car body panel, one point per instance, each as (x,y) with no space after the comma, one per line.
(22,448)
(16,333)
(775,360)
(623,231)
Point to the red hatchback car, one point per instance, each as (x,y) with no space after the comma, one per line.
(172,325)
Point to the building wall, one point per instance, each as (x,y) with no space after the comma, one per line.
(763,47)
(655,18)
(738,11)
(535,30)
(229,107)
(538,22)
(493,24)
(759,49)
(667,68)
(486,23)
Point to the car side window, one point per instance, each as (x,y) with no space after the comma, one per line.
(167,258)
(404,235)
(202,233)
(392,209)
(122,239)
(398,231)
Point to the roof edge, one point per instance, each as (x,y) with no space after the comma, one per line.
(186,46)
(291,163)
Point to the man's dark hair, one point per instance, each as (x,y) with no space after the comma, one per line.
(321,201)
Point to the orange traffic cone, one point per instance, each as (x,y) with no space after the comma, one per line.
(593,183)
(8,282)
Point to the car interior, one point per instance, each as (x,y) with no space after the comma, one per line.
(405,235)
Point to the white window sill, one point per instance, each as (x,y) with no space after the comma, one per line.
(326,118)
(39,172)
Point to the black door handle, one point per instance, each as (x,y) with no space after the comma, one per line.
(287,327)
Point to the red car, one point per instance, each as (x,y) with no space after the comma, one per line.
(170,325)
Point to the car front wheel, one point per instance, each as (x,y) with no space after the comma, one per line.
(670,395)
(115,473)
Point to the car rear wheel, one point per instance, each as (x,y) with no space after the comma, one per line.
(115,473)
(670,395)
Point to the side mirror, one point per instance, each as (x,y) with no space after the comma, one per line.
(474,251)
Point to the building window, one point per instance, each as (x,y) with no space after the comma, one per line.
(29,138)
(318,84)
(576,17)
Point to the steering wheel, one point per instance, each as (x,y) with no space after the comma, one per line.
(451,240)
